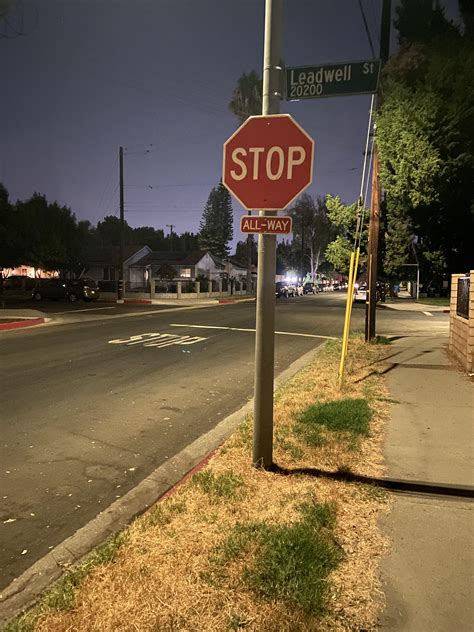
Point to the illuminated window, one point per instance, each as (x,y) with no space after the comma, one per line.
(186,273)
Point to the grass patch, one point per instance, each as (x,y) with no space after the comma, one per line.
(293,562)
(217,486)
(442,301)
(343,416)
(289,562)
(382,340)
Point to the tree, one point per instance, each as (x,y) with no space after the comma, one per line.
(247,101)
(216,228)
(11,252)
(344,218)
(109,231)
(247,96)
(312,230)
(425,136)
(48,235)
(241,251)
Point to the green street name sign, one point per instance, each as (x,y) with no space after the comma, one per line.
(332,80)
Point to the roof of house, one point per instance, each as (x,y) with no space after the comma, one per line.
(174,258)
(109,255)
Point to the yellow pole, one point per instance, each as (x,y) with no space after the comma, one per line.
(345,334)
(351,290)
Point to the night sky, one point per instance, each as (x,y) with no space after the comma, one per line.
(87,76)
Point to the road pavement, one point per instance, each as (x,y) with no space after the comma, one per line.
(92,402)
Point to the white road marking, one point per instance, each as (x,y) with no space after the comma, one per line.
(428,313)
(157,340)
(281,333)
(87,309)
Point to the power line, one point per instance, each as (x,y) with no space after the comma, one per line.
(166,186)
(366,28)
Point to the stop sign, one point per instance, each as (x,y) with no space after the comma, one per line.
(268,162)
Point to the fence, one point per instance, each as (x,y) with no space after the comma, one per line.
(461,324)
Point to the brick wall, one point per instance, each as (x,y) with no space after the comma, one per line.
(461,330)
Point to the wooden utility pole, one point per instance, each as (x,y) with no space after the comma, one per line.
(170,226)
(374,221)
(121,281)
(373,249)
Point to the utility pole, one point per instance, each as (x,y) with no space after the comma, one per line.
(265,309)
(374,222)
(120,285)
(170,226)
(302,250)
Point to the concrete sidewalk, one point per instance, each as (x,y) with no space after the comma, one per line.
(410,305)
(429,574)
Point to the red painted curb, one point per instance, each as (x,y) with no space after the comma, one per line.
(130,301)
(188,475)
(28,322)
(141,301)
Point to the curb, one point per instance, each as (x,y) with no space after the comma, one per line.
(24,591)
(226,301)
(27,322)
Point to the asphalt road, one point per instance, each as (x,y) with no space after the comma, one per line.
(93,402)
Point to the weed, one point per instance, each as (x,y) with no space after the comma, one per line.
(382,340)
(236,622)
(62,595)
(162,514)
(318,515)
(227,485)
(237,542)
(243,434)
(374,492)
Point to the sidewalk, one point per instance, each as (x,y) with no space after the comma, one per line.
(410,305)
(429,575)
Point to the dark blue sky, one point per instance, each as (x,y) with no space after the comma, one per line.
(90,75)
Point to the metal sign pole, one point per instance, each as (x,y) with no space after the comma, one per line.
(265,312)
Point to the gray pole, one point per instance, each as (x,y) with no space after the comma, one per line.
(121,281)
(265,324)
(417,282)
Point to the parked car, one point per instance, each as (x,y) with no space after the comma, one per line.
(310,288)
(299,289)
(281,289)
(291,290)
(360,293)
(70,289)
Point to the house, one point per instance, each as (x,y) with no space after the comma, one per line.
(103,266)
(187,266)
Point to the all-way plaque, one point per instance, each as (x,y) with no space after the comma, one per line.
(273,225)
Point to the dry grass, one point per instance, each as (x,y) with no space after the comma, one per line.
(170,575)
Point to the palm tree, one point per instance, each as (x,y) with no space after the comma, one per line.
(247,101)
(247,96)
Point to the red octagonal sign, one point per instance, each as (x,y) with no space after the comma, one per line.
(268,162)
